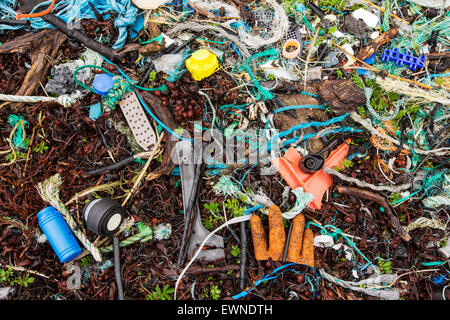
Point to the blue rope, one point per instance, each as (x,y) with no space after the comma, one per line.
(308,136)
(304,106)
(268,277)
(303,126)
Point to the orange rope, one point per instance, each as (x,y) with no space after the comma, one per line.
(36,15)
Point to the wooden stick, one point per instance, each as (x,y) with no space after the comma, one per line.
(361,193)
(141,175)
(368,51)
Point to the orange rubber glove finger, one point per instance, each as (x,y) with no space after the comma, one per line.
(277,236)
(259,238)
(301,246)
(307,256)
(296,240)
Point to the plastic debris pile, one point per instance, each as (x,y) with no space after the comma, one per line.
(175,131)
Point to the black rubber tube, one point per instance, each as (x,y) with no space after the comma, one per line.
(243,255)
(117,267)
(111,167)
(75,34)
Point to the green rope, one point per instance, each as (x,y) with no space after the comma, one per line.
(272,54)
(335,234)
(159,39)
(145,233)
(387,15)
(115,94)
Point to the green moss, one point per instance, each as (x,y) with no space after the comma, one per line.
(337,4)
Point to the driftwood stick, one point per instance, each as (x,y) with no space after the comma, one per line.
(360,193)
(368,51)
(42,47)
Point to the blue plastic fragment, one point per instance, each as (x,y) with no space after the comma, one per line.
(404,58)
(95,111)
(439,280)
(103,83)
(138,26)
(369,60)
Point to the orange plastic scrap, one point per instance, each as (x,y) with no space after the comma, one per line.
(301,243)
(316,183)
(277,236)
(300,250)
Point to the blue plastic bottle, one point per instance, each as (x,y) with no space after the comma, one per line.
(58,234)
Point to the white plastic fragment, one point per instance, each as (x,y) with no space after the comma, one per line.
(168,62)
(5,292)
(278,72)
(374,35)
(149,4)
(369,18)
(348,47)
(162,231)
(446,250)
(347,250)
(437,4)
(338,34)
(323,241)
(331,17)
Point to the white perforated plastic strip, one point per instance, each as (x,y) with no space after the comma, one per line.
(137,120)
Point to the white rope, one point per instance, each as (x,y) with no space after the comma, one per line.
(423,222)
(49,192)
(197,27)
(357,118)
(392,294)
(64,100)
(229,222)
(390,85)
(363,184)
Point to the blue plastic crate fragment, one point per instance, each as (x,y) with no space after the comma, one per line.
(404,58)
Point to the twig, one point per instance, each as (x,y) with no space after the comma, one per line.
(118,165)
(141,175)
(360,193)
(88,42)
(26,270)
(313,41)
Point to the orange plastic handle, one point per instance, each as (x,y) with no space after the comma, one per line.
(36,15)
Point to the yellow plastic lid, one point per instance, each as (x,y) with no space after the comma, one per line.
(202,64)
